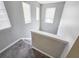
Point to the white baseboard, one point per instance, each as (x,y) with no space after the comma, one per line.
(13,44)
(42,52)
(29,39)
(9,46)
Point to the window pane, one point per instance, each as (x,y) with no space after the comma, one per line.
(27,13)
(49,17)
(4,20)
(49,20)
(2,5)
(37,13)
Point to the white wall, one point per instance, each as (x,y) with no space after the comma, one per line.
(69,24)
(7,36)
(34,25)
(19,28)
(51,27)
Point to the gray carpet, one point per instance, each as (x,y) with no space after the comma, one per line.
(19,50)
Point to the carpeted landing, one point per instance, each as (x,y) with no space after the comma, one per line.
(19,50)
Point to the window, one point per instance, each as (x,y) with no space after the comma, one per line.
(49,17)
(37,13)
(4,20)
(27,12)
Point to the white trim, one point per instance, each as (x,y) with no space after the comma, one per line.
(9,46)
(42,52)
(29,40)
(26,38)
(13,44)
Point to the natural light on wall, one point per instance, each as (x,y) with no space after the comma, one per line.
(27,12)
(49,16)
(4,20)
(37,13)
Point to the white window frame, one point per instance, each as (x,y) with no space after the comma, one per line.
(49,16)
(4,19)
(27,12)
(37,13)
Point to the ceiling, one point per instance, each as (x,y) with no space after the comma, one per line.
(45,2)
